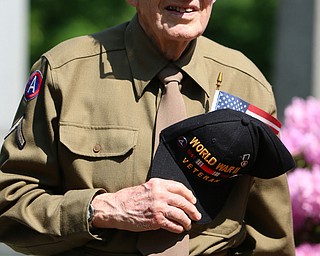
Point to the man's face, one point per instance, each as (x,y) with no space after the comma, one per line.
(173,20)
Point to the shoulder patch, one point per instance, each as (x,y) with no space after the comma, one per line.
(33,86)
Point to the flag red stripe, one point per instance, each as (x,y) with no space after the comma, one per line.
(274,130)
(265,115)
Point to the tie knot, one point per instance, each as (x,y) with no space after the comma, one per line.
(170,74)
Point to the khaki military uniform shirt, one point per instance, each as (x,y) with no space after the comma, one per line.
(91,129)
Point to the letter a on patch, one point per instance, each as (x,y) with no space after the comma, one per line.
(33,86)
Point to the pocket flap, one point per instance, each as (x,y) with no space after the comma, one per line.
(98,141)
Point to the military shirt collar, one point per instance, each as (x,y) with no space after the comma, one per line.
(146,61)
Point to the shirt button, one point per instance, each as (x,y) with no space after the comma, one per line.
(97,148)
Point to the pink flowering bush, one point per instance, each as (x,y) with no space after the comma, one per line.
(301,135)
(301,131)
(308,250)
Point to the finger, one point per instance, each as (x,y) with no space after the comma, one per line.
(178,218)
(173,227)
(188,208)
(174,224)
(173,218)
(179,196)
(180,189)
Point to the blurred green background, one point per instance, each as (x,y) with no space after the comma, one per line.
(246,25)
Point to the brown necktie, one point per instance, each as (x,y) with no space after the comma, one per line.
(171,110)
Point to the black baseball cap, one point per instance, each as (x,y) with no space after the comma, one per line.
(208,152)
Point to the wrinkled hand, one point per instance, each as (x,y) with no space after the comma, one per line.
(153,205)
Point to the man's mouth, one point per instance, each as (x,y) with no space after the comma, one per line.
(180,9)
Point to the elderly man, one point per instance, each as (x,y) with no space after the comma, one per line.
(74,165)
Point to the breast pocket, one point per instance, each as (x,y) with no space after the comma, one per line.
(98,156)
(98,141)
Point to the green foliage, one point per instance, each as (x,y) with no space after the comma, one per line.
(53,21)
(246,25)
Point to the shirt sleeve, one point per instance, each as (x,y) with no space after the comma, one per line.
(37,214)
(268,219)
(269,215)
